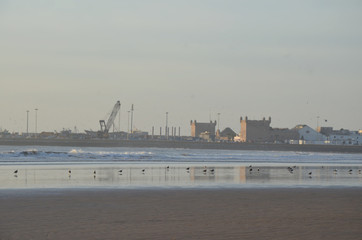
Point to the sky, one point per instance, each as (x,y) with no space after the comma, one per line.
(299,62)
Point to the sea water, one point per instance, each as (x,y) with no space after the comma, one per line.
(90,167)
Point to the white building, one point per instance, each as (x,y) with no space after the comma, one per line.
(308,135)
(352,138)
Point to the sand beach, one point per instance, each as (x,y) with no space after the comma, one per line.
(286,213)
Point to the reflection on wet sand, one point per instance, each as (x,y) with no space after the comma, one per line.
(158,175)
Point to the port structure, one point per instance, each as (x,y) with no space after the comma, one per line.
(106,126)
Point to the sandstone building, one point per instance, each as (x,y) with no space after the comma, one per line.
(260,131)
(202,129)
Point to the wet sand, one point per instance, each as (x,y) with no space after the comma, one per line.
(288,213)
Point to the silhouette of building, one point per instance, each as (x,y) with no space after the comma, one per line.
(259,131)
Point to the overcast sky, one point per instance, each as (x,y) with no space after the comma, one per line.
(291,60)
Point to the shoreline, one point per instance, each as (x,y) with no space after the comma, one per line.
(181,144)
(182,214)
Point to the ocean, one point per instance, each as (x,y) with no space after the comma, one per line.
(91,167)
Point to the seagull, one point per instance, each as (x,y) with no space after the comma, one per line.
(250,170)
(120,171)
(310,173)
(94,172)
(204,170)
(143,170)
(335,171)
(187,169)
(212,170)
(69,171)
(168,167)
(16,171)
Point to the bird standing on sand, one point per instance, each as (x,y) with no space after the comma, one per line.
(94,172)
(16,171)
(120,171)
(204,170)
(187,169)
(70,172)
(143,170)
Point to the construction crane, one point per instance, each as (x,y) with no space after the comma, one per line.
(105,127)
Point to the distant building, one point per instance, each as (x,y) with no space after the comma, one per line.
(226,135)
(254,130)
(259,131)
(308,135)
(283,135)
(202,129)
(342,136)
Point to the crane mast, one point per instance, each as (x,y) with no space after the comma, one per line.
(105,127)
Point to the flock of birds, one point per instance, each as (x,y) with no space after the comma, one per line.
(212,171)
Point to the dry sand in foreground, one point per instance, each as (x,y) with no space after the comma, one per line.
(182,214)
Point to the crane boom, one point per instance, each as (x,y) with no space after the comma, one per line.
(105,127)
(111,118)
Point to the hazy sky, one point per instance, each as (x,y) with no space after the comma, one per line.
(291,60)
